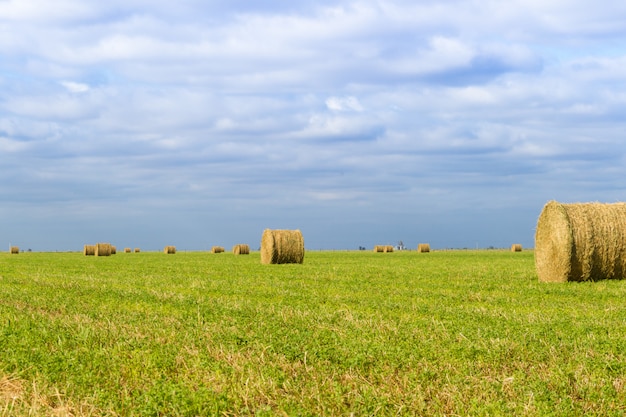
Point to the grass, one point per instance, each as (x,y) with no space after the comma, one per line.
(346,333)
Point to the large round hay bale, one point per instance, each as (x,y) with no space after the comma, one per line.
(282,247)
(241,249)
(14,250)
(89,250)
(127,250)
(516,247)
(113,250)
(581,242)
(171,250)
(379,248)
(136,250)
(102,249)
(388,249)
(217,249)
(423,247)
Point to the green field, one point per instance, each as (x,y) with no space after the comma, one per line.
(346,333)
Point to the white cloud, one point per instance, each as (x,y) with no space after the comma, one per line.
(349,103)
(74,87)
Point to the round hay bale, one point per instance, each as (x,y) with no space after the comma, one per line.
(127,250)
(14,250)
(379,248)
(137,250)
(388,248)
(113,250)
(217,249)
(241,249)
(282,247)
(169,250)
(102,249)
(423,247)
(89,250)
(516,247)
(581,242)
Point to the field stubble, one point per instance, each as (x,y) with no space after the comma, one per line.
(443,333)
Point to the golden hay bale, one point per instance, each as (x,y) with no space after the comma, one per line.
(516,247)
(137,250)
(388,248)
(241,249)
(170,250)
(423,247)
(102,249)
(379,248)
(113,250)
(14,250)
(581,242)
(89,250)
(217,249)
(127,250)
(282,247)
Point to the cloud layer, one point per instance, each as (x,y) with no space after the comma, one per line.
(359,122)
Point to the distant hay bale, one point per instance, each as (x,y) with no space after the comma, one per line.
(241,249)
(89,250)
(581,242)
(282,247)
(137,250)
(113,250)
(217,249)
(388,248)
(127,250)
(423,247)
(14,250)
(169,250)
(516,247)
(379,248)
(102,249)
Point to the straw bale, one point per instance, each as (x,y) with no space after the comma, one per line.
(282,247)
(516,247)
(89,250)
(137,250)
(169,250)
(113,250)
(581,242)
(241,249)
(102,249)
(14,250)
(127,250)
(379,248)
(217,249)
(388,248)
(423,247)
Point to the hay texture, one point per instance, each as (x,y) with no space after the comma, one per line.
(241,249)
(379,248)
(89,250)
(113,250)
(423,247)
(516,247)
(102,249)
(127,250)
(169,250)
(581,242)
(282,247)
(388,249)
(217,249)
(14,250)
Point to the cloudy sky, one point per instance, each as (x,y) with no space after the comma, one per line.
(195,123)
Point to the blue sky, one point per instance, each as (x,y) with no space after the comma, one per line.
(201,123)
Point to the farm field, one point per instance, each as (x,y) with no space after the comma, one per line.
(345,333)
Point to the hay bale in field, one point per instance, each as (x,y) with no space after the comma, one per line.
(137,250)
(127,250)
(169,250)
(241,249)
(14,250)
(581,242)
(102,249)
(516,247)
(113,250)
(89,250)
(379,248)
(423,247)
(388,248)
(282,247)
(217,249)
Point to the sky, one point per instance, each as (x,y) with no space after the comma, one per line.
(147,123)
